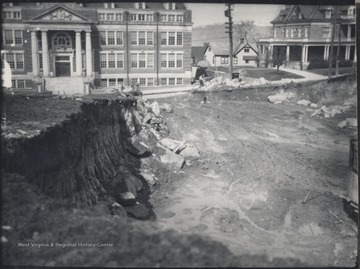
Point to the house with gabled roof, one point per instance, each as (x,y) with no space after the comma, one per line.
(245,54)
(302,33)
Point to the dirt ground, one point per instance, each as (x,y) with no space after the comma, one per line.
(269,181)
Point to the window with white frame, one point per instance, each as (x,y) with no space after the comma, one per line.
(18,84)
(108,82)
(179,18)
(171,18)
(11,15)
(111,60)
(306,32)
(111,38)
(326,33)
(274,32)
(150,82)
(134,81)
(171,60)
(246,50)
(179,81)
(142,81)
(171,81)
(110,17)
(15,59)
(12,37)
(172,38)
(351,11)
(149,17)
(328,14)
(235,60)
(292,32)
(142,38)
(287,32)
(225,60)
(141,17)
(133,17)
(163,17)
(299,31)
(142,59)
(163,81)
(109,5)
(172,6)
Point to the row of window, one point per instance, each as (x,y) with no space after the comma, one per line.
(293,32)
(18,84)
(140,60)
(149,82)
(15,59)
(12,37)
(142,5)
(11,15)
(140,38)
(140,17)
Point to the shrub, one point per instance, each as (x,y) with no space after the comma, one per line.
(320,63)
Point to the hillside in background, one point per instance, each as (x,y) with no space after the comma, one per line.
(216,34)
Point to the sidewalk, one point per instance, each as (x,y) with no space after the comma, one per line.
(307,76)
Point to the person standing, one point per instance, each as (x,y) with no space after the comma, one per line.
(6,73)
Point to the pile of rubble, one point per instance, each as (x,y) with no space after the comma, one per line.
(242,82)
(281,97)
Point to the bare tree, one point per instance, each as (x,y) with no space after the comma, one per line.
(278,57)
(245,30)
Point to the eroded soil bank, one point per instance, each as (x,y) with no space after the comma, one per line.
(270,179)
(246,192)
(63,182)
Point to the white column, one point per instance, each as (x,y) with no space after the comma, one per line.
(287,53)
(34,54)
(306,53)
(89,70)
(355,56)
(347,52)
(78,54)
(45,53)
(349,32)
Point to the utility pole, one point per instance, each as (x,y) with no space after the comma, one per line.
(230,27)
(332,43)
(338,50)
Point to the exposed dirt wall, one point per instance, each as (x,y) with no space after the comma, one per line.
(86,156)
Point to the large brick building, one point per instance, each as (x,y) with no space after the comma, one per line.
(302,33)
(74,44)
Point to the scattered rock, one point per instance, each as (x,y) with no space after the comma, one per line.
(313,105)
(79,99)
(280,97)
(342,124)
(167,108)
(262,81)
(6,228)
(180,147)
(348,104)
(138,211)
(35,235)
(138,147)
(155,120)
(316,112)
(127,199)
(190,151)
(149,178)
(117,210)
(170,158)
(155,109)
(170,143)
(304,102)
(3,239)
(148,117)
(352,122)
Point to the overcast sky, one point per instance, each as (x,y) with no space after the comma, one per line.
(206,14)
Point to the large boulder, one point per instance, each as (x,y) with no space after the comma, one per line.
(138,211)
(149,178)
(138,147)
(127,199)
(190,151)
(170,158)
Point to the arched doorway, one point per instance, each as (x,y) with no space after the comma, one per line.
(61,44)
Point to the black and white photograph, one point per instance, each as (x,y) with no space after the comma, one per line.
(179,134)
